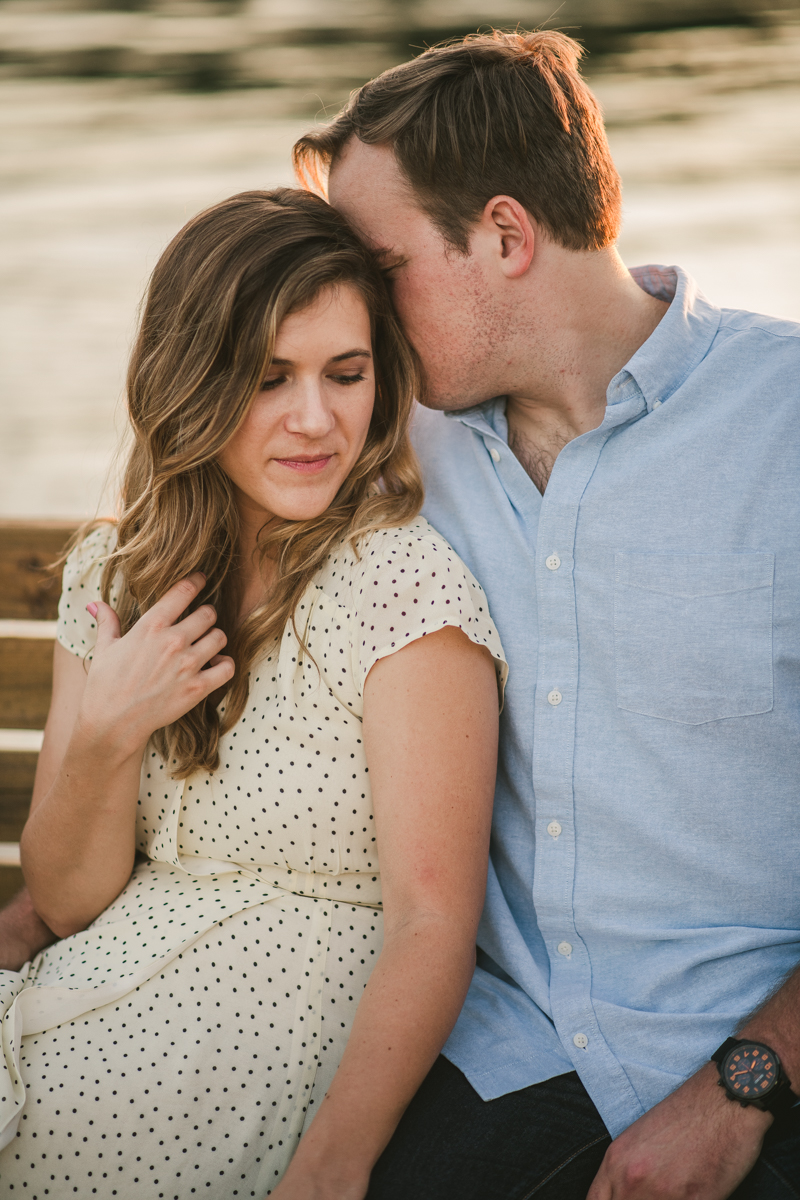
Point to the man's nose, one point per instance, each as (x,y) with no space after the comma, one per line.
(310,414)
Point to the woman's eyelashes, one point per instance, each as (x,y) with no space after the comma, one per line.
(269,385)
(390,262)
(345,379)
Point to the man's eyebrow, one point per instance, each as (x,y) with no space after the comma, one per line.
(355,353)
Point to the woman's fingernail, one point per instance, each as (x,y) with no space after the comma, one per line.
(92,609)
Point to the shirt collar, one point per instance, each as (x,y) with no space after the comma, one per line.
(488,418)
(676,346)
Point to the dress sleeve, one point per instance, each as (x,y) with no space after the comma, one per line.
(76,629)
(412,584)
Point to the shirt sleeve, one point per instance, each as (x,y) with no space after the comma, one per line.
(411,585)
(76,629)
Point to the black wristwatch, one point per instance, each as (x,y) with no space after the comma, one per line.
(751,1073)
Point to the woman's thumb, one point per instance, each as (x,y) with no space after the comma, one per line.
(107,622)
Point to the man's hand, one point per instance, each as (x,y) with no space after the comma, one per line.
(695,1145)
(22,933)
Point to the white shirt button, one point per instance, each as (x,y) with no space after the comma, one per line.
(553,562)
(554,697)
(564,948)
(581,1041)
(495,454)
(656,403)
(554,829)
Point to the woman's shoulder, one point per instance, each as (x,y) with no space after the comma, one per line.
(81,584)
(416,540)
(414,548)
(92,550)
(408,582)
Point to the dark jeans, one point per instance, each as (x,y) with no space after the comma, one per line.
(545,1141)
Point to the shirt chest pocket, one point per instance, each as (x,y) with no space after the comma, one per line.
(693,635)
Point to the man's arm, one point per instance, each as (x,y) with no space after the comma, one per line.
(23,933)
(696,1142)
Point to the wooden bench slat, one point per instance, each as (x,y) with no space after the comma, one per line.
(17,771)
(26,678)
(10,883)
(28,590)
(20,741)
(38,631)
(14,814)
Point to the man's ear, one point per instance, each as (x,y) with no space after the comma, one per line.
(508,225)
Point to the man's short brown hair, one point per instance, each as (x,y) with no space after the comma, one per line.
(494,114)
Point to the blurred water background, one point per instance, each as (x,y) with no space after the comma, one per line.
(121,118)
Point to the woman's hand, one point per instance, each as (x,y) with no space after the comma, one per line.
(156,673)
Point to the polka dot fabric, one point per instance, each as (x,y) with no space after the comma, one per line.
(181,1044)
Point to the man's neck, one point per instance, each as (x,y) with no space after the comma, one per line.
(597,318)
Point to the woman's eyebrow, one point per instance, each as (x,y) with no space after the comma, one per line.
(349,354)
(288,362)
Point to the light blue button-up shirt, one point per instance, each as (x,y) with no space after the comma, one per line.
(644,890)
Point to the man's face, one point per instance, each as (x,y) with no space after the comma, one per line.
(444,299)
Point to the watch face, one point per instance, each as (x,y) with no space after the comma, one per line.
(750,1070)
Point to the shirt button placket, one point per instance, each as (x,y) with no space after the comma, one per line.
(554,748)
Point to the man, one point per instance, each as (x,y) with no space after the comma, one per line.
(617,461)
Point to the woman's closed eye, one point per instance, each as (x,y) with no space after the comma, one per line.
(274,381)
(389,262)
(358,377)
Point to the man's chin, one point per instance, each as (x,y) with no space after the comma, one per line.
(451,403)
(447,400)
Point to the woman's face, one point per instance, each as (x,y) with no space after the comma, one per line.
(310,417)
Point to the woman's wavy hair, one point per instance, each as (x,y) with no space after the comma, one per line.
(211,314)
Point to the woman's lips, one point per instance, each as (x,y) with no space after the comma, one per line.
(306,466)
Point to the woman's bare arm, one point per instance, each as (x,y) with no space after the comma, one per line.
(79,841)
(430,734)
(23,933)
(82,810)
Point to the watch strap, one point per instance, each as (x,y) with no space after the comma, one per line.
(781,1101)
(722,1050)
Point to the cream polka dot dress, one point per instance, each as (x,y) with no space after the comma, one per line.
(179,1046)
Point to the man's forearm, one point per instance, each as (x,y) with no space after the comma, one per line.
(695,1142)
(23,933)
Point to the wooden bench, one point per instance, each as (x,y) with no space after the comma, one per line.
(28,604)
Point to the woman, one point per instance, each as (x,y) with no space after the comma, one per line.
(289,670)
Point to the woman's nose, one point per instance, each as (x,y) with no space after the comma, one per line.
(310,414)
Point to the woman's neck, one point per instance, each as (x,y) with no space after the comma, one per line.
(255,574)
